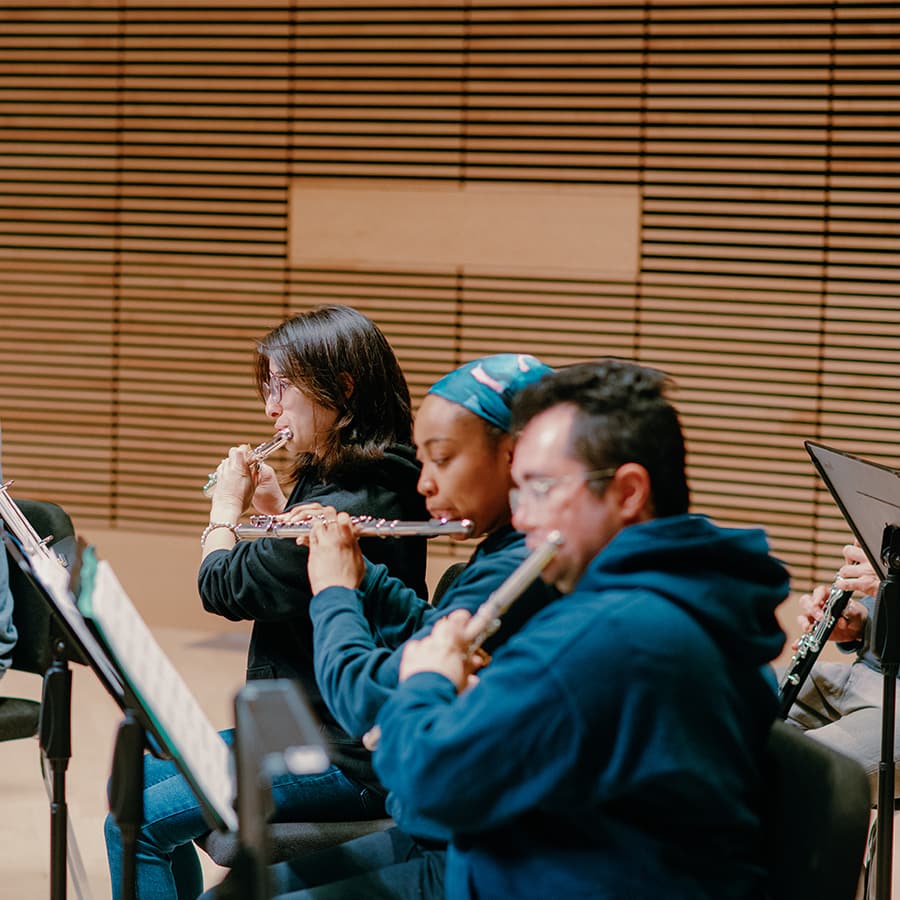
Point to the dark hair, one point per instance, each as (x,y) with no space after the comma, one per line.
(340,359)
(622,415)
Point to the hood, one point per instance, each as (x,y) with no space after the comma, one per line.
(389,466)
(398,470)
(724,578)
(402,457)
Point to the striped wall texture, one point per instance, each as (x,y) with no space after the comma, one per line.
(707,187)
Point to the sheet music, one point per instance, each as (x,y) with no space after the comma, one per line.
(182,726)
(54,578)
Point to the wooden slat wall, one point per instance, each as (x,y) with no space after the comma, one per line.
(144,192)
(735,170)
(205,94)
(58,171)
(766,271)
(860,381)
(147,150)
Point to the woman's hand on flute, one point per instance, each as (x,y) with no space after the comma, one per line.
(234,486)
(445,651)
(268,498)
(304,512)
(335,559)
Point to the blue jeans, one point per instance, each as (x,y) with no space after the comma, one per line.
(166,860)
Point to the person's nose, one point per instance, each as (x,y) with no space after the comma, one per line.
(273,408)
(522,517)
(426,485)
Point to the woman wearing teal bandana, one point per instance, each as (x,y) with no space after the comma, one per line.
(362,616)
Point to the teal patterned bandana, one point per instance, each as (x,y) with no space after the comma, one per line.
(486,386)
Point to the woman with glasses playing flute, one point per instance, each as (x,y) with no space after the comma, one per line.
(362,615)
(328,377)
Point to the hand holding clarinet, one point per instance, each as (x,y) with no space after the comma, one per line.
(828,613)
(856,574)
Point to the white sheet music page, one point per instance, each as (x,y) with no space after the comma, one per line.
(182,724)
(54,578)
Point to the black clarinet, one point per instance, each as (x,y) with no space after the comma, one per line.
(810,646)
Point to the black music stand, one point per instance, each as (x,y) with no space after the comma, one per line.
(868,496)
(68,637)
(276,732)
(78,598)
(886,640)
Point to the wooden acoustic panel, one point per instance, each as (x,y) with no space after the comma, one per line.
(469,227)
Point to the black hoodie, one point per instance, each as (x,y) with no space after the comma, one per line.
(265,581)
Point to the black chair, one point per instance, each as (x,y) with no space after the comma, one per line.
(447,578)
(42,649)
(816,818)
(287,840)
(34,649)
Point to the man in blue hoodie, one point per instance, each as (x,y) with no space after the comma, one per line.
(613,747)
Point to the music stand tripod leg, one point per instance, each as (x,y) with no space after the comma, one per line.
(887,645)
(126,795)
(56,747)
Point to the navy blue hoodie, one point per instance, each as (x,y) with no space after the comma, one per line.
(613,746)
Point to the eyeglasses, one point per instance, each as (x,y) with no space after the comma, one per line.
(539,489)
(274,388)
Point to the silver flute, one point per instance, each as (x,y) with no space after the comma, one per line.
(366,526)
(486,619)
(15,521)
(256,455)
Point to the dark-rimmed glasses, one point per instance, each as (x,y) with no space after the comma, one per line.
(273,389)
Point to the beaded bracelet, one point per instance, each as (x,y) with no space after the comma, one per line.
(213,526)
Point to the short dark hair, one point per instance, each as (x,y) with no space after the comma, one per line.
(325,350)
(622,415)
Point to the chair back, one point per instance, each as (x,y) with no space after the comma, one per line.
(447,578)
(816,818)
(33,651)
